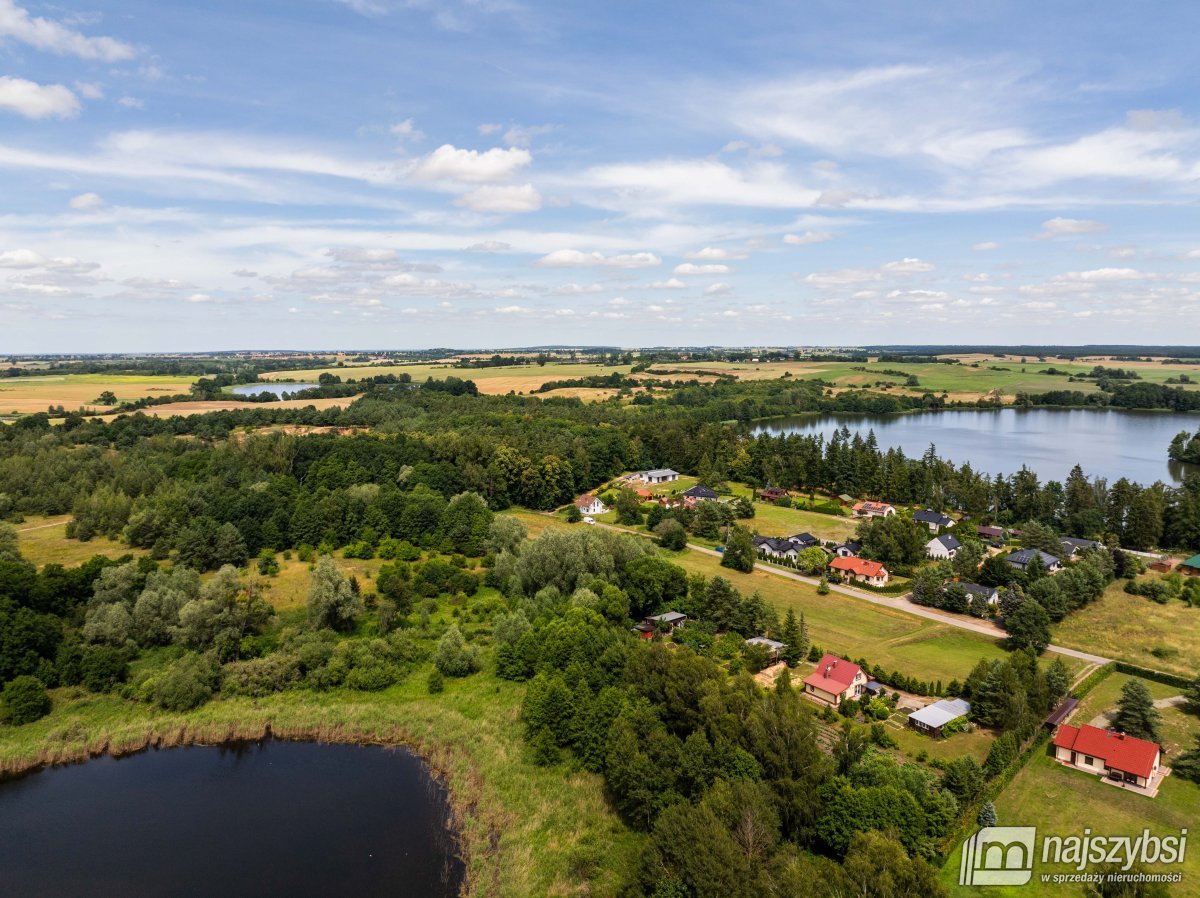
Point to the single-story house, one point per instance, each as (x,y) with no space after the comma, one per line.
(989,594)
(932,718)
(772,493)
(934,520)
(943,547)
(1191,566)
(989,532)
(660,475)
(1073,546)
(699,492)
(1022,558)
(804,540)
(835,680)
(861,570)
(773,648)
(874,510)
(776,547)
(1164,565)
(846,549)
(590,504)
(660,624)
(1121,758)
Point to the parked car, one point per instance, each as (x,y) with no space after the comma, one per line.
(589,520)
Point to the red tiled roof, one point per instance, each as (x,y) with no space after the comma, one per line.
(858,566)
(584,501)
(1120,752)
(833,675)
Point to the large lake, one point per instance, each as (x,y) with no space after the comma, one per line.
(1107,443)
(269,818)
(277,389)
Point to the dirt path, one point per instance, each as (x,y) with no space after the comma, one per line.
(42,526)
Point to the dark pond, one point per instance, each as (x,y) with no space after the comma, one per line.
(1107,443)
(263,818)
(277,389)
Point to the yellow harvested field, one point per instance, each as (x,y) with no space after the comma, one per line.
(220,405)
(588,394)
(492,381)
(27,395)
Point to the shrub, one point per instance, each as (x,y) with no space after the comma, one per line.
(435,682)
(102,668)
(453,656)
(25,700)
(186,684)
(260,676)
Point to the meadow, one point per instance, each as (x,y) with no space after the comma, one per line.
(493,381)
(27,395)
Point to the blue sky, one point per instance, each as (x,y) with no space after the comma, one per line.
(485,173)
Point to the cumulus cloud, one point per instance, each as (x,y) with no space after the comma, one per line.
(501,198)
(690,268)
(573,258)
(986,246)
(668,284)
(86,202)
(806,238)
(55,37)
(20,258)
(1060,227)
(718,289)
(131,103)
(449,163)
(576,289)
(1099,275)
(37,101)
(406,130)
(909,266)
(713,254)
(842,277)
(488,246)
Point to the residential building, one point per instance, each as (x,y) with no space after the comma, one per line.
(1191,566)
(772,494)
(934,520)
(1115,756)
(933,718)
(590,505)
(1022,558)
(874,510)
(943,547)
(774,649)
(664,624)
(698,492)
(861,570)
(846,549)
(989,594)
(660,475)
(776,547)
(991,534)
(1072,546)
(804,540)
(835,680)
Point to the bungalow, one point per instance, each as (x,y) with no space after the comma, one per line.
(835,680)
(874,510)
(660,624)
(1022,558)
(943,547)
(1073,546)
(845,550)
(933,718)
(804,540)
(1191,566)
(699,492)
(861,570)
(776,547)
(989,594)
(989,533)
(660,475)
(774,649)
(1123,759)
(772,494)
(590,504)
(934,520)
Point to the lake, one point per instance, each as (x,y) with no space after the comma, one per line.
(258,818)
(1105,442)
(277,389)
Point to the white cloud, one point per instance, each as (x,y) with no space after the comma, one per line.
(842,277)
(714,254)
(199,297)
(806,238)
(489,128)
(55,37)
(1192,254)
(986,246)
(488,246)
(87,201)
(576,289)
(21,258)
(406,130)
(1059,227)
(669,284)
(619,301)
(37,101)
(573,258)
(449,163)
(131,103)
(909,266)
(497,198)
(1105,275)
(89,91)
(719,289)
(689,268)
(39,289)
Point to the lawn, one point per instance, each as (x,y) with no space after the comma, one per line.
(1178,729)
(25,395)
(771,520)
(1132,628)
(493,381)
(975,743)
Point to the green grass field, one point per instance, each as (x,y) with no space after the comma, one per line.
(1132,628)
(44,541)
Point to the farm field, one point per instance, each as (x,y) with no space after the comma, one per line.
(1132,628)
(171,409)
(27,395)
(493,381)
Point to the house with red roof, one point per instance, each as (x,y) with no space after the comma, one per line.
(874,510)
(834,680)
(589,504)
(861,570)
(1122,759)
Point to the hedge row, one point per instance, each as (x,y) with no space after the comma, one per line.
(1157,675)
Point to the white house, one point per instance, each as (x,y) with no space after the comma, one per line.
(934,520)
(1122,759)
(943,547)
(776,547)
(660,475)
(590,505)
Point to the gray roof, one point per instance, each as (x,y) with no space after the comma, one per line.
(941,713)
(769,643)
(1073,544)
(805,539)
(775,544)
(853,545)
(949,541)
(700,492)
(932,517)
(1022,557)
(661,472)
(976,590)
(669,617)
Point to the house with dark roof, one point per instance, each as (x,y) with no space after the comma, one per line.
(804,540)
(835,680)
(1120,759)
(699,492)
(989,594)
(772,494)
(943,547)
(861,570)
(1072,546)
(663,624)
(989,533)
(846,549)
(776,547)
(934,520)
(1022,558)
